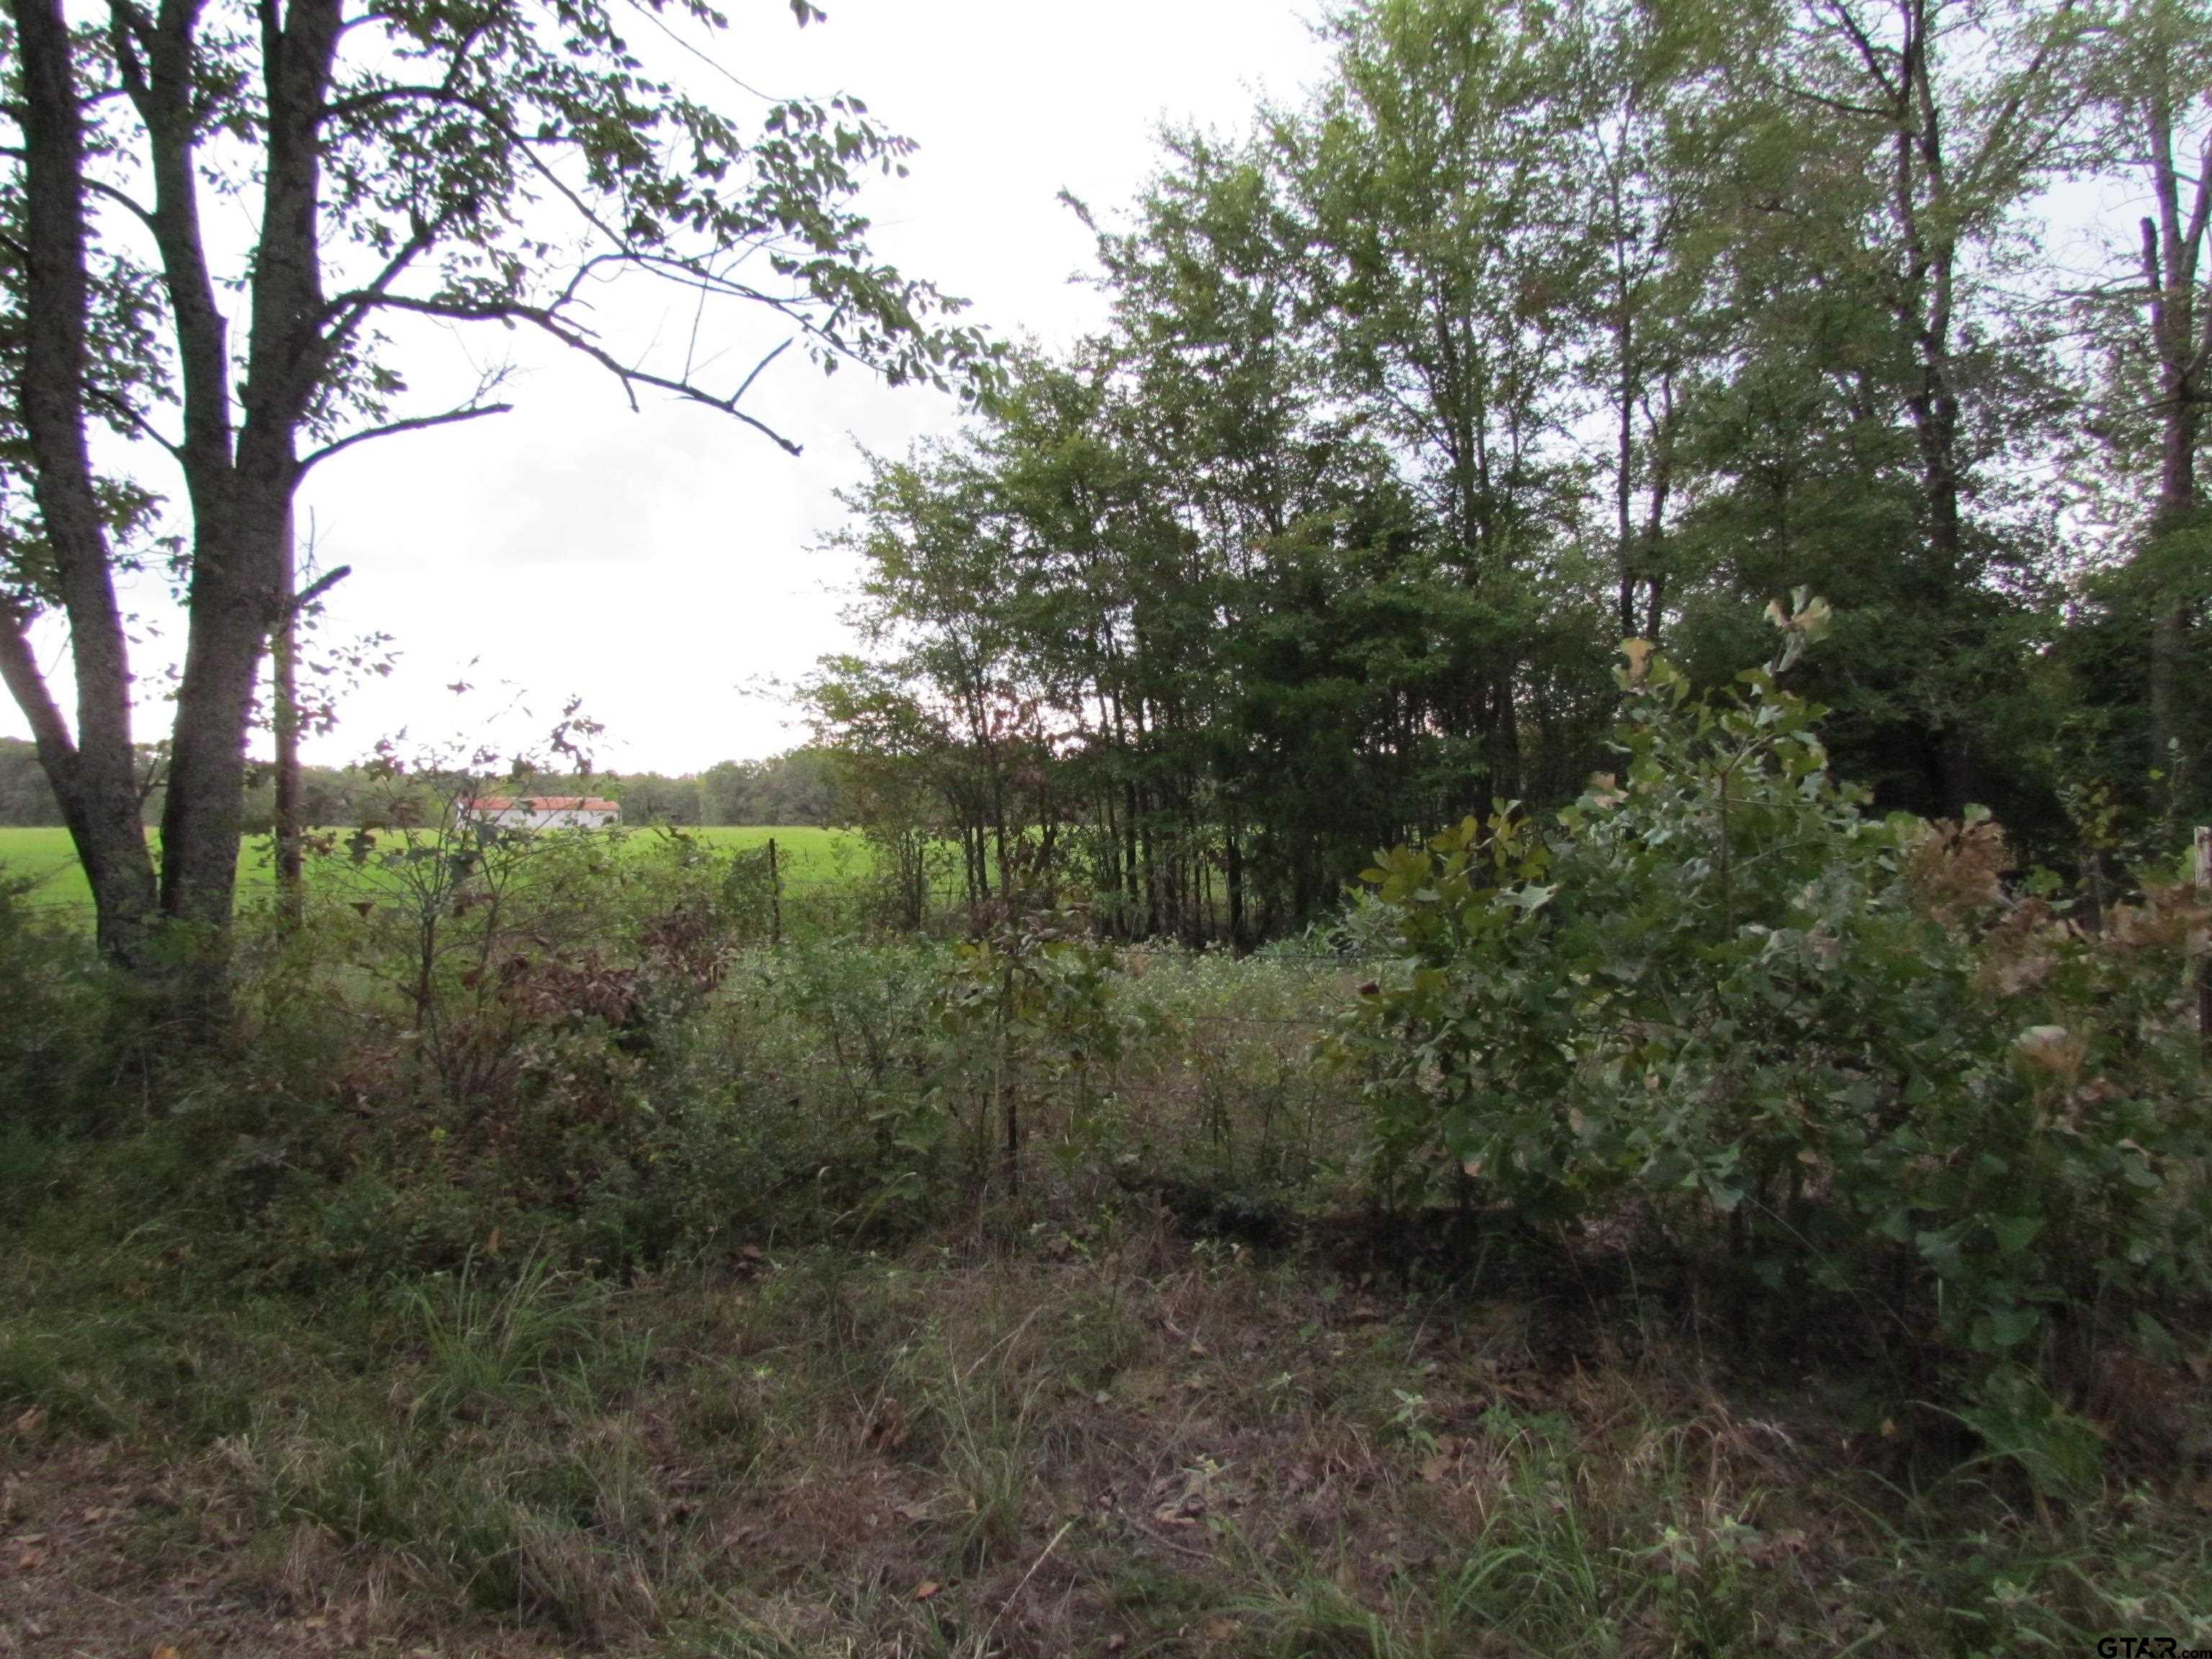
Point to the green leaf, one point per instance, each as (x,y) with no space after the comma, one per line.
(2016,1232)
(2004,1327)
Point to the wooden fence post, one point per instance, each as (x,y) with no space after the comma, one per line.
(774,899)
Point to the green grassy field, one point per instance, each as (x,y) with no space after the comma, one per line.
(44,856)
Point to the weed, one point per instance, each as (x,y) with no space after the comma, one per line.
(492,1336)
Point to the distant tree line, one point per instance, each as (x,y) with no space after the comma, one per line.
(1536,328)
(26,798)
(803,787)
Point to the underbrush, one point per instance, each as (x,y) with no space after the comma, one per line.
(642,1103)
(1722,1222)
(1835,1066)
(1116,1444)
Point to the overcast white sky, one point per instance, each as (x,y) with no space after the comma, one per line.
(656,562)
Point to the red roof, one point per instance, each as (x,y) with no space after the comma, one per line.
(543,803)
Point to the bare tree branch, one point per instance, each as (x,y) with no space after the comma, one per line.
(1869,53)
(114,404)
(137,209)
(2023,84)
(573,335)
(412,423)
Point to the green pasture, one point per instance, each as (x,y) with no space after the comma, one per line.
(804,856)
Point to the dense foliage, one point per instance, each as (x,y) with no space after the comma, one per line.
(1811,1053)
(1722,992)
(589,1226)
(553,1169)
(1539,326)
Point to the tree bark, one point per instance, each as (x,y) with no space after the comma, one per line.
(1624,479)
(94,773)
(241,480)
(2172,253)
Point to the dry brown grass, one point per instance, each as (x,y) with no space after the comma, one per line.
(1120,1445)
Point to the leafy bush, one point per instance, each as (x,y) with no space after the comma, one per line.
(66,1049)
(1724,995)
(1028,1015)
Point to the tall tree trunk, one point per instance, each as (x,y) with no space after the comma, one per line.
(1502,738)
(2172,253)
(203,816)
(94,773)
(1624,481)
(242,482)
(1134,893)
(1660,492)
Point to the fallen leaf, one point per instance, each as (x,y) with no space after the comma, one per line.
(927,1588)
(165,1651)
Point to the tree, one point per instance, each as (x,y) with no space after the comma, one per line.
(1926,126)
(1538,326)
(726,793)
(941,602)
(1666,120)
(1282,512)
(652,797)
(1435,215)
(26,797)
(2155,87)
(481,162)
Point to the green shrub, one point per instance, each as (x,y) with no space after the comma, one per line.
(1027,1014)
(1722,994)
(64,1065)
